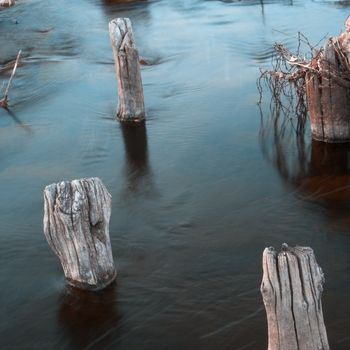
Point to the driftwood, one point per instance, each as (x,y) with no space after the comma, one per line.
(76,226)
(292,286)
(7,3)
(130,91)
(5,99)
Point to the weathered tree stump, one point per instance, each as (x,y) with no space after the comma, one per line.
(76,226)
(130,91)
(328,90)
(292,286)
(7,3)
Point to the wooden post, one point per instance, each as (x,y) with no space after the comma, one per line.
(328,90)
(292,286)
(76,226)
(7,3)
(130,91)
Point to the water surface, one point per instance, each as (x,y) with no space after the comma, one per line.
(197,192)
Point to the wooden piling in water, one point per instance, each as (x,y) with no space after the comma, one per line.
(292,286)
(76,226)
(130,91)
(7,3)
(328,90)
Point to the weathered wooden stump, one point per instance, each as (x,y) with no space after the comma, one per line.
(292,286)
(328,90)
(76,226)
(7,3)
(130,91)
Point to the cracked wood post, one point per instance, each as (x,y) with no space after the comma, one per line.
(130,91)
(76,226)
(329,97)
(7,3)
(292,286)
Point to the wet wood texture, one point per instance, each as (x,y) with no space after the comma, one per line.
(76,226)
(292,287)
(130,91)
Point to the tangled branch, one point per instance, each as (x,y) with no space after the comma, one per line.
(290,72)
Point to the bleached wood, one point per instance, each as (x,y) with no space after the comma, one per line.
(130,91)
(7,3)
(76,226)
(292,287)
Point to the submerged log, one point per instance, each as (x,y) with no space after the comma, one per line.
(292,286)
(76,226)
(130,91)
(7,3)
(328,91)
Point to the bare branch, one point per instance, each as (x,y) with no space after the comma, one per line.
(4,100)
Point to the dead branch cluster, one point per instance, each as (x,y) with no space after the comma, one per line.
(288,77)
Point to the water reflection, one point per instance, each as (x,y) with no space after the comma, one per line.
(328,172)
(90,319)
(320,171)
(25,127)
(263,11)
(137,168)
(127,8)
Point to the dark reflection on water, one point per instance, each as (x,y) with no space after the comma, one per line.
(320,171)
(196,196)
(136,151)
(90,320)
(24,126)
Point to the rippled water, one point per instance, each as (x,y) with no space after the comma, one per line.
(197,193)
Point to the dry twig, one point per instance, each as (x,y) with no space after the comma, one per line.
(5,99)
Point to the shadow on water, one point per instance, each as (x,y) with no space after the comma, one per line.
(90,319)
(137,167)
(26,127)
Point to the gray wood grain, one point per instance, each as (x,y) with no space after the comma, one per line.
(130,91)
(292,287)
(76,226)
(328,94)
